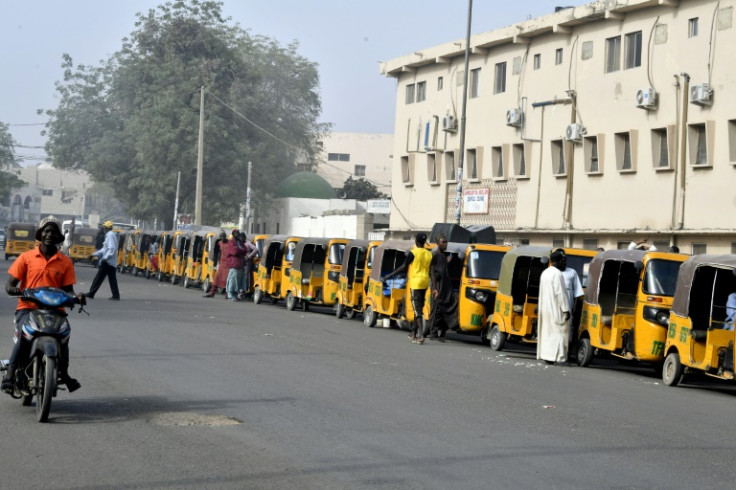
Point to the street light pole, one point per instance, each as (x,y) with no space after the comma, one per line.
(460,163)
(200,162)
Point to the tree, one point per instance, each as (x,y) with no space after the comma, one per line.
(8,180)
(132,121)
(361,189)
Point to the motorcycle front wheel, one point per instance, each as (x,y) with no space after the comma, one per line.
(45,386)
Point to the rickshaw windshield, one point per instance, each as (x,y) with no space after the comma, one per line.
(336,253)
(86,239)
(19,233)
(581,266)
(369,259)
(660,277)
(484,264)
(259,246)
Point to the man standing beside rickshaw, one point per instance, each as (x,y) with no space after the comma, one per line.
(553,331)
(444,304)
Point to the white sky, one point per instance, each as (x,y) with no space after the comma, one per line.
(347,38)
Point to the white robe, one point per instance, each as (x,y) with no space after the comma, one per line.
(553,331)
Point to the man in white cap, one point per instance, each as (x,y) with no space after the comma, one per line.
(108,256)
(41,266)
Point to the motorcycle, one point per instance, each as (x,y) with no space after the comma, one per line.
(46,329)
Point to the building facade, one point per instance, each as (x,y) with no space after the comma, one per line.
(589,127)
(357,155)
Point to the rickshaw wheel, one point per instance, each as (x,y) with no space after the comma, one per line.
(497,338)
(349,313)
(206,285)
(672,369)
(186,282)
(369,317)
(257,295)
(339,310)
(290,301)
(584,353)
(160,276)
(484,337)
(148,274)
(172,280)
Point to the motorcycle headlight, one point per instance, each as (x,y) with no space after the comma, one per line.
(480,296)
(657,315)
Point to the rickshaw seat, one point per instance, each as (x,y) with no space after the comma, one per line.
(607,320)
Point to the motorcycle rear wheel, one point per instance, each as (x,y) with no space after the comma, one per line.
(45,386)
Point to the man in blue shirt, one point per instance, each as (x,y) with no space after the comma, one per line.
(108,256)
(730,312)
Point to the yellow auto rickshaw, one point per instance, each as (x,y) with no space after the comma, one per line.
(700,337)
(82,244)
(196,256)
(210,259)
(180,254)
(258,242)
(388,302)
(268,275)
(478,284)
(314,272)
(355,270)
(142,245)
(627,305)
(166,254)
(18,238)
(127,264)
(515,311)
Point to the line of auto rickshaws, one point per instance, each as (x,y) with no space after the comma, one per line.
(661,309)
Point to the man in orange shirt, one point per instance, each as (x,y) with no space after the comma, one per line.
(44,265)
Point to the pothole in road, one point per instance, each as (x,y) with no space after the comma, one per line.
(192,419)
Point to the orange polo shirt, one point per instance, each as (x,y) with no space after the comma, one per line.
(33,270)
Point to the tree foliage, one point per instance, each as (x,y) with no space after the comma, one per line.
(133,121)
(8,180)
(361,189)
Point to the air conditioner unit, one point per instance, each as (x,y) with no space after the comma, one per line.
(513,117)
(449,123)
(574,132)
(701,94)
(646,98)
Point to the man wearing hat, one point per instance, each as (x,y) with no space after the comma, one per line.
(41,266)
(108,256)
(553,327)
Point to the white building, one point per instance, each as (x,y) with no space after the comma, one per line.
(588,127)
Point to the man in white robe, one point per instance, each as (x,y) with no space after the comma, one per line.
(553,327)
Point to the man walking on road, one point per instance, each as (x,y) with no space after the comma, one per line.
(108,256)
(553,328)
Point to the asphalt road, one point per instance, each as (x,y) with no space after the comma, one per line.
(180,391)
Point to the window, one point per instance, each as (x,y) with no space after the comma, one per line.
(591,152)
(497,160)
(47,192)
(450,166)
(698,143)
(590,243)
(624,153)
(558,157)
(733,248)
(558,243)
(421,91)
(732,141)
(410,93)
(613,54)
(516,66)
(660,149)
(699,248)
(632,46)
(407,175)
(520,169)
(692,27)
(472,165)
(558,56)
(359,171)
(338,157)
(474,82)
(499,84)
(440,83)
(537,61)
(432,176)
(586,52)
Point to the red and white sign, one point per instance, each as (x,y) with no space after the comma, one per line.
(476,201)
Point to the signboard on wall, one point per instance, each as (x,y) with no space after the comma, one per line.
(378,206)
(476,201)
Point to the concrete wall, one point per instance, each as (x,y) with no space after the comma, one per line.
(371,150)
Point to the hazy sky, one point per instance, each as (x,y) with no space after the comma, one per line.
(347,38)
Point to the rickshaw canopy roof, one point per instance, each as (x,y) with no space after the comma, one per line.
(596,267)
(402,245)
(680,303)
(508,264)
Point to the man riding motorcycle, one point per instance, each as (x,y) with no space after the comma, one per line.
(43,265)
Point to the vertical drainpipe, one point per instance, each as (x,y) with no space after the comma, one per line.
(675,162)
(683,159)
(570,156)
(539,171)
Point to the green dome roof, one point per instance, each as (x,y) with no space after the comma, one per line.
(306,184)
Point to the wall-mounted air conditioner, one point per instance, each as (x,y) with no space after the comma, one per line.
(701,94)
(513,117)
(646,98)
(449,123)
(574,132)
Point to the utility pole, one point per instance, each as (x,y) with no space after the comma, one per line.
(460,162)
(176,201)
(200,163)
(248,213)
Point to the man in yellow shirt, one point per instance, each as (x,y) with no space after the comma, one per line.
(417,264)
